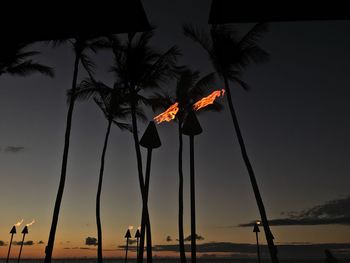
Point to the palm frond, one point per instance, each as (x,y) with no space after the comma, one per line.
(29,67)
(198,36)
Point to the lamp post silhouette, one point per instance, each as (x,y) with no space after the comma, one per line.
(12,232)
(24,232)
(191,127)
(127,236)
(137,236)
(150,140)
(256,230)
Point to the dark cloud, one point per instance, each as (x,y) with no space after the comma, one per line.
(168,239)
(198,237)
(91,241)
(333,212)
(14,149)
(41,242)
(27,243)
(2,243)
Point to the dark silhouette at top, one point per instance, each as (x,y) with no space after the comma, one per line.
(329,257)
(139,67)
(230,56)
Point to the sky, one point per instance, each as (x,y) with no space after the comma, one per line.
(294,121)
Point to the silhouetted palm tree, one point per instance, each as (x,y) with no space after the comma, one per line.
(230,56)
(189,89)
(16,60)
(113,102)
(140,68)
(81,46)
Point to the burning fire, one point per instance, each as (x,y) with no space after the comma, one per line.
(18,223)
(33,221)
(130,227)
(258,222)
(169,114)
(208,99)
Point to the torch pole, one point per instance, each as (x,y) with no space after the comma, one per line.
(20,250)
(193,204)
(12,232)
(257,245)
(126,250)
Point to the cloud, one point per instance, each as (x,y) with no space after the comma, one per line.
(14,149)
(41,242)
(333,212)
(198,237)
(91,241)
(27,243)
(2,243)
(168,239)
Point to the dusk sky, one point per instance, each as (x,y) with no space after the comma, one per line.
(295,121)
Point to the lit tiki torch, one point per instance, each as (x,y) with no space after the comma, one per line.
(256,230)
(149,140)
(12,232)
(24,232)
(191,127)
(127,236)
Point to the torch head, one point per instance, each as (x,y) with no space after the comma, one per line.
(191,125)
(137,234)
(128,235)
(25,230)
(13,230)
(256,228)
(150,138)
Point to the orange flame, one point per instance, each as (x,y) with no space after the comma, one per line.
(208,99)
(130,227)
(169,114)
(33,221)
(19,223)
(258,222)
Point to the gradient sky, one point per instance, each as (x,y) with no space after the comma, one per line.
(295,121)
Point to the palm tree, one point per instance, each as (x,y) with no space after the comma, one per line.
(113,103)
(230,56)
(80,45)
(16,60)
(141,68)
(189,89)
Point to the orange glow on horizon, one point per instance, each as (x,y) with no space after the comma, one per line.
(208,99)
(169,114)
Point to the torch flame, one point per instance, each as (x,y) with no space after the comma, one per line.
(139,228)
(208,99)
(18,223)
(169,114)
(33,221)
(258,222)
(130,227)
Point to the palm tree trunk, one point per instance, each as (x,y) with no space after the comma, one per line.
(268,234)
(140,173)
(98,196)
(193,204)
(181,201)
(51,241)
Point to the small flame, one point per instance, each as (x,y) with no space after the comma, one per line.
(258,222)
(18,223)
(130,227)
(169,114)
(139,228)
(208,99)
(33,221)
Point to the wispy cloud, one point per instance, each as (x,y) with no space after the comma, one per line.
(333,212)
(198,237)
(26,243)
(91,241)
(14,149)
(2,243)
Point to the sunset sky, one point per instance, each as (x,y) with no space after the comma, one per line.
(295,120)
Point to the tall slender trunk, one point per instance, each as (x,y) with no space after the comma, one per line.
(98,196)
(193,204)
(268,234)
(51,241)
(145,217)
(181,201)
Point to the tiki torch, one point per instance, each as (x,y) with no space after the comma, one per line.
(127,236)
(191,127)
(24,232)
(149,140)
(12,232)
(256,230)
